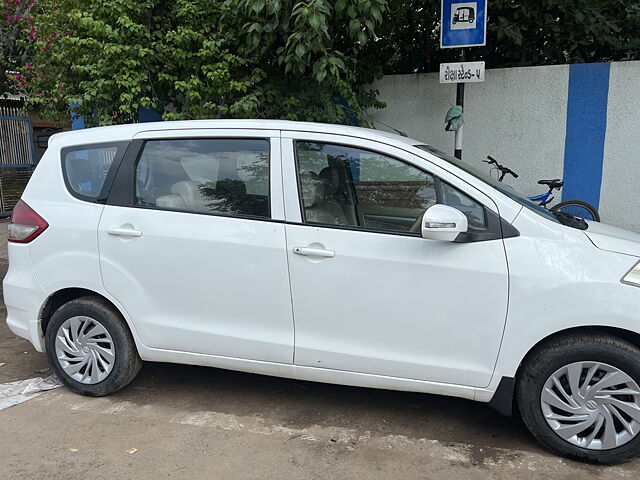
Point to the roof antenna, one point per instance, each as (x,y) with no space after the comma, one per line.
(399,132)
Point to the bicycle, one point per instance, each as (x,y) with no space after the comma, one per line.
(576,208)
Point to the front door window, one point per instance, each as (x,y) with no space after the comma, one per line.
(362,189)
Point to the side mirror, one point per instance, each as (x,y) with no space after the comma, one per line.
(441,222)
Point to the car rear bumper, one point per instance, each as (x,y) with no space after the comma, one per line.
(23,296)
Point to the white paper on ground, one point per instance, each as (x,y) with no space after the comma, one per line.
(13,393)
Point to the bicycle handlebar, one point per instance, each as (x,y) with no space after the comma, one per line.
(504,170)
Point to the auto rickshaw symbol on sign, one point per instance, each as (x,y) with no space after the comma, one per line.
(463,15)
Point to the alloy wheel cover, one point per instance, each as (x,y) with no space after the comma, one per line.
(85,350)
(592,405)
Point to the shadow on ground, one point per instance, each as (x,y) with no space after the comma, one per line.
(297,404)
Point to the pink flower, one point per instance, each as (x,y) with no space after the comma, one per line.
(39,75)
(28,66)
(33,36)
(37,95)
(21,84)
(61,87)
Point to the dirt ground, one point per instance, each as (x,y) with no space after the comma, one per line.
(192,422)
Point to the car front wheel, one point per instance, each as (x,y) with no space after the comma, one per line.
(91,348)
(580,397)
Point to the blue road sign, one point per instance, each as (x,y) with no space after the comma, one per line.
(463,24)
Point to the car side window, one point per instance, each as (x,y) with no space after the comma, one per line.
(216,176)
(351,187)
(347,186)
(86,168)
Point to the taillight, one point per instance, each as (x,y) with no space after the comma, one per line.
(25,224)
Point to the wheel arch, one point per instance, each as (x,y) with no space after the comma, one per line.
(64,295)
(503,400)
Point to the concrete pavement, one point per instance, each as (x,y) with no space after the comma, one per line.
(192,422)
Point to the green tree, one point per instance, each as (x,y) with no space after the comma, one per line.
(15,24)
(204,59)
(290,59)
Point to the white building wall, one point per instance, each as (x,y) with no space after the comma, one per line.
(519,116)
(620,189)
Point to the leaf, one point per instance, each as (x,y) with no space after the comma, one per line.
(375,12)
(257,5)
(42,370)
(315,20)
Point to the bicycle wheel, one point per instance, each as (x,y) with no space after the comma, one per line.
(577,208)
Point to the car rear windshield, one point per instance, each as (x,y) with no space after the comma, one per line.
(86,169)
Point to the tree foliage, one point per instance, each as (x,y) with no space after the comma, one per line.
(16,23)
(289,59)
(203,59)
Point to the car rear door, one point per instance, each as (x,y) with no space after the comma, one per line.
(192,243)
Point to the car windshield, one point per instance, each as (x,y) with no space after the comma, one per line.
(488,179)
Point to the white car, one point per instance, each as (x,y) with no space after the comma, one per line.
(326,253)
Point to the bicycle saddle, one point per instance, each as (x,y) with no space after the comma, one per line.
(555,183)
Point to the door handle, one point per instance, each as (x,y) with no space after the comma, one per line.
(124,232)
(314,252)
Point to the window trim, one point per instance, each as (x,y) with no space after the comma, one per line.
(496,227)
(105,190)
(123,193)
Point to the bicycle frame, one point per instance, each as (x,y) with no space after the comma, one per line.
(543,199)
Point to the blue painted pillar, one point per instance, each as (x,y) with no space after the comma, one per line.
(144,115)
(586,128)
(148,115)
(77,122)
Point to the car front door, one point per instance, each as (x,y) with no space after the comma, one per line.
(189,245)
(369,294)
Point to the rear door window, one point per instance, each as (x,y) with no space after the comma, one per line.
(212,175)
(89,169)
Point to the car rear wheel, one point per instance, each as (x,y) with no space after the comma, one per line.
(580,397)
(90,347)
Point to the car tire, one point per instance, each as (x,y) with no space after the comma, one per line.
(90,331)
(575,357)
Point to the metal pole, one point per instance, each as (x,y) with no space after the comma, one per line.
(459,101)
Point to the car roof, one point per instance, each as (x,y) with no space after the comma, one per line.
(125,132)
